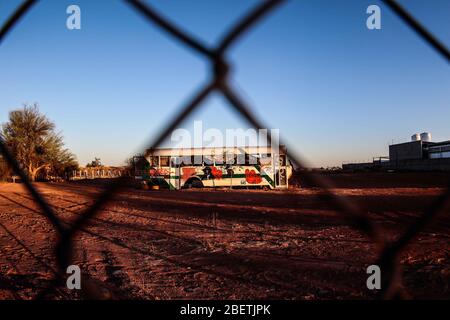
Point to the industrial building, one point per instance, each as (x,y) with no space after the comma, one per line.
(419,154)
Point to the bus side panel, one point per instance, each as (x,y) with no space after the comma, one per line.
(221,176)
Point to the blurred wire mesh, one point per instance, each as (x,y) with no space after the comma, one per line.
(219,82)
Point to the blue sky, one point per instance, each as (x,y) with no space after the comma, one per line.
(336,90)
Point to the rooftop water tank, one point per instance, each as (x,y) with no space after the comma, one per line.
(425,136)
(415,137)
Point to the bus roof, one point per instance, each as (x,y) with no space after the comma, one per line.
(213,151)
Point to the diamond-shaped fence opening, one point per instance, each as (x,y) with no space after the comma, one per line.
(388,258)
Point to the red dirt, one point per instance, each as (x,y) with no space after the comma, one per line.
(219,244)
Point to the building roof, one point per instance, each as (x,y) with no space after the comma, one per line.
(442,143)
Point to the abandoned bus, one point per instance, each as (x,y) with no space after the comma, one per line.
(257,167)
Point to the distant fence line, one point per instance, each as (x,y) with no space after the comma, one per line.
(99,173)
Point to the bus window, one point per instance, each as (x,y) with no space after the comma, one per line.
(230,158)
(208,160)
(183,161)
(164,160)
(197,160)
(218,160)
(154,161)
(265,159)
(241,159)
(252,159)
(175,162)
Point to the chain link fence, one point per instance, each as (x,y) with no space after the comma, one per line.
(388,259)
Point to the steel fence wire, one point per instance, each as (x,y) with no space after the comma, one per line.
(219,82)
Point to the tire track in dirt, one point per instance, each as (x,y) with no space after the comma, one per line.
(237,276)
(121,224)
(8,290)
(302,213)
(242,272)
(82,251)
(247,212)
(20,277)
(95,235)
(243,259)
(261,227)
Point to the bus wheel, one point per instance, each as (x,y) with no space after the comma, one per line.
(197,184)
(193,183)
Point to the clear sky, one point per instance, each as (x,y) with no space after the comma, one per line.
(336,90)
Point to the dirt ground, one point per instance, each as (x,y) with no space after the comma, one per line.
(220,244)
